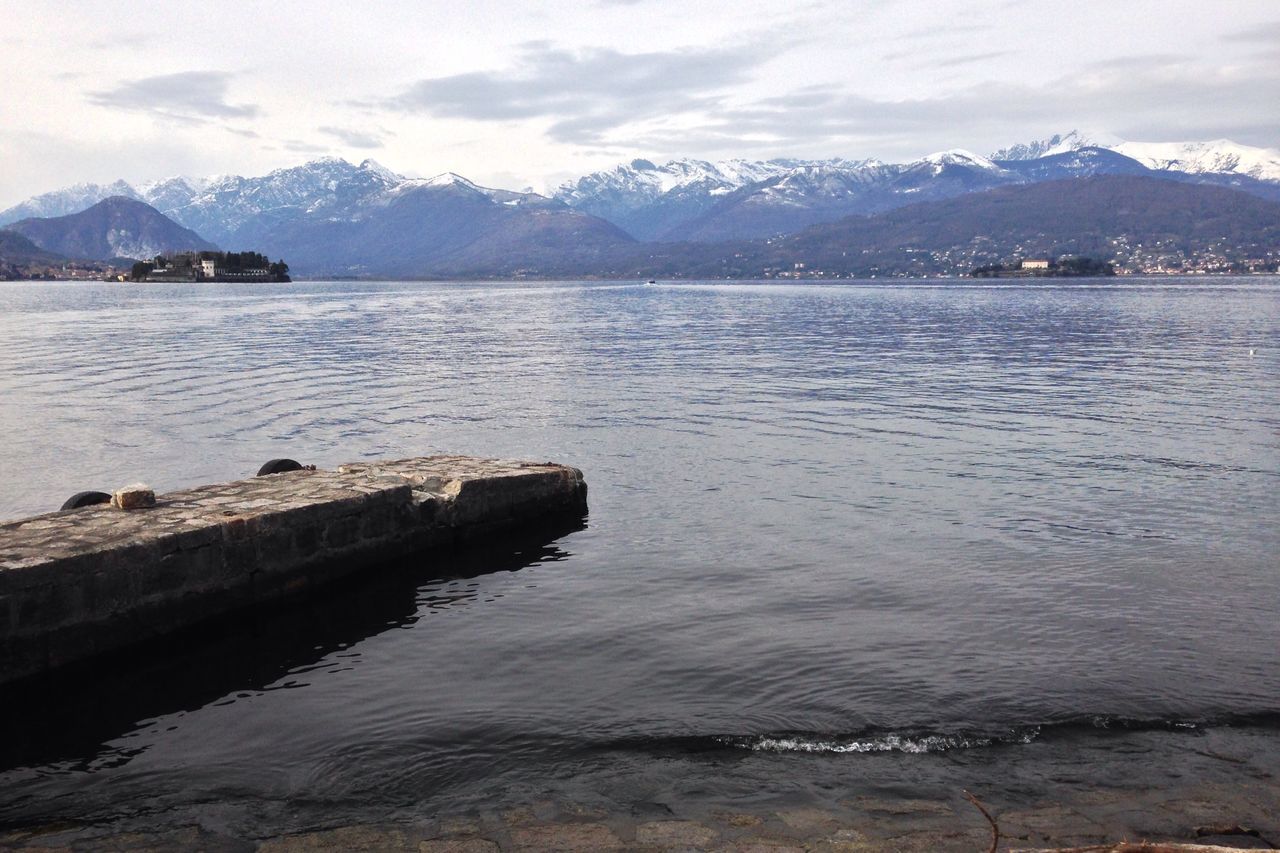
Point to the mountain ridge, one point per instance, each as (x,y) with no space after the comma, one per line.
(681,199)
(332,217)
(1135,220)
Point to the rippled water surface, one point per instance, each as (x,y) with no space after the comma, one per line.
(835,533)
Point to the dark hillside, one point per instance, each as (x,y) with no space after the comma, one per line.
(115,227)
(1110,217)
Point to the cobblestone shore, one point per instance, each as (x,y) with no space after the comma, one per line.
(1198,818)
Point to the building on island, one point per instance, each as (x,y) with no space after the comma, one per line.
(211,266)
(1035,264)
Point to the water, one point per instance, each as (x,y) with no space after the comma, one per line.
(899,539)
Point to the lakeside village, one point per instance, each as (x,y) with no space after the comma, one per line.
(975,260)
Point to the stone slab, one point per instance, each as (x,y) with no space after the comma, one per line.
(80,582)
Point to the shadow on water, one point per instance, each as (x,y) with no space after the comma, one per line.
(70,715)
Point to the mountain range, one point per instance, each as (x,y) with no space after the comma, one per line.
(1139,222)
(330,217)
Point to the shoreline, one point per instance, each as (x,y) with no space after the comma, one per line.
(1201,817)
(889,279)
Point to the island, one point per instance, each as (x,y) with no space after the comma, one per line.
(1065,267)
(211,266)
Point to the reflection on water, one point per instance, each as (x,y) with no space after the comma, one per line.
(85,717)
(819,514)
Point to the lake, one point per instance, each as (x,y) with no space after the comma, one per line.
(844,541)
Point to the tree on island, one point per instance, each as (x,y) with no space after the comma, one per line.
(230,266)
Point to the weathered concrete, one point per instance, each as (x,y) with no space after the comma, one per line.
(80,582)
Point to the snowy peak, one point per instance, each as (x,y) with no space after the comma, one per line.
(680,199)
(957,157)
(644,180)
(380,171)
(831,179)
(66,201)
(449,179)
(460,186)
(1057,144)
(1218,156)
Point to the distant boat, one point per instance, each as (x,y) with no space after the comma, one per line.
(651,281)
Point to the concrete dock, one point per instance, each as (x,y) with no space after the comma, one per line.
(78,583)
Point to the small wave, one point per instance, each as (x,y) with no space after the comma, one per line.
(924,740)
(890,742)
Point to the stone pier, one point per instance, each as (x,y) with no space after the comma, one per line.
(81,582)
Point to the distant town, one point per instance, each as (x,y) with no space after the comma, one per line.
(179,269)
(1157,258)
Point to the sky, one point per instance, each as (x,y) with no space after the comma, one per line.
(527,95)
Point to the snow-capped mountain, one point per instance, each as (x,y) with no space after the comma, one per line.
(703,201)
(642,179)
(730,199)
(940,161)
(700,201)
(66,201)
(222,208)
(314,212)
(1216,157)
(647,200)
(232,209)
(1057,144)
(1221,156)
(331,217)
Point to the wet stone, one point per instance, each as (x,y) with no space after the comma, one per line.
(458,845)
(809,821)
(675,834)
(362,838)
(740,820)
(761,845)
(568,837)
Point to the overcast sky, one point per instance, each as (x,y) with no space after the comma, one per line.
(528,94)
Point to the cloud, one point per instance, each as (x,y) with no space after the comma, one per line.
(946,30)
(188,96)
(302,147)
(1152,101)
(970,59)
(585,94)
(1268,34)
(354,138)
